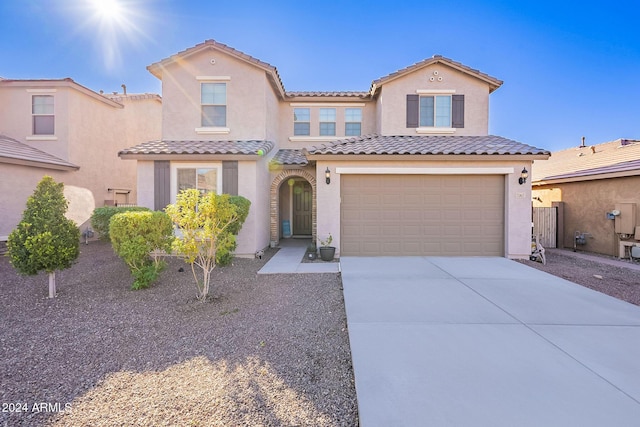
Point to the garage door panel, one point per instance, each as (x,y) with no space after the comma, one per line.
(422,215)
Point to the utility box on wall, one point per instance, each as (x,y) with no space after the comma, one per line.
(625,223)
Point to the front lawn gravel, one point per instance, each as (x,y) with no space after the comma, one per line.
(265,350)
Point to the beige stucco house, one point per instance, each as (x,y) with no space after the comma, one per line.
(406,167)
(63,129)
(589,183)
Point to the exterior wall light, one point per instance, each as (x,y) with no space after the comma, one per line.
(327,175)
(523,176)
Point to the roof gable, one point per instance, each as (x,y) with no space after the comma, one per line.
(493,82)
(272,73)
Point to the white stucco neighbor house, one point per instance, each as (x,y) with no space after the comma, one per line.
(404,168)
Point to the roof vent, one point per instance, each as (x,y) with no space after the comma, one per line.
(582,145)
(624,142)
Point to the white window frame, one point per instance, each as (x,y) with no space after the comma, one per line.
(321,122)
(193,165)
(34,115)
(352,122)
(214,130)
(301,121)
(436,129)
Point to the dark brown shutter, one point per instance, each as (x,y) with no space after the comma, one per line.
(230,177)
(413,108)
(457,108)
(161,184)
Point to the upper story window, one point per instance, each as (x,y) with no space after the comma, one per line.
(213,97)
(327,122)
(352,121)
(43,114)
(435,111)
(301,121)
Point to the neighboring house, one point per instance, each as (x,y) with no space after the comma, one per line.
(406,167)
(590,182)
(62,129)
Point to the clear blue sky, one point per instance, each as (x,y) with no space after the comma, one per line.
(570,68)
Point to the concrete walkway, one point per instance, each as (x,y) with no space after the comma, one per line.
(487,342)
(288,260)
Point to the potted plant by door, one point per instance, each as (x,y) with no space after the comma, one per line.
(327,252)
(312,252)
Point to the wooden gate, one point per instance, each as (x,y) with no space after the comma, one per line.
(545,225)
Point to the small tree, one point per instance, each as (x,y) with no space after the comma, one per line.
(45,239)
(204,222)
(136,237)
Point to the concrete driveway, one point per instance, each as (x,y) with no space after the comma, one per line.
(487,342)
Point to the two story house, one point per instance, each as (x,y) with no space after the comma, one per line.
(63,129)
(404,168)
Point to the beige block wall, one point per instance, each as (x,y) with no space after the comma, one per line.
(392,102)
(517,199)
(585,206)
(246,103)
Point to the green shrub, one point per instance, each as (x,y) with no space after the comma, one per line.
(134,236)
(227,242)
(101,217)
(45,239)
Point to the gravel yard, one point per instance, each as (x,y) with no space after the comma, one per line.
(265,351)
(619,281)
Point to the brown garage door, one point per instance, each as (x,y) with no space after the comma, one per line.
(450,215)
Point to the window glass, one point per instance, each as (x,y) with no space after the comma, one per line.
(352,129)
(426,110)
(327,121)
(353,115)
(203,179)
(435,111)
(327,114)
(214,115)
(301,121)
(353,121)
(443,111)
(327,129)
(43,114)
(213,97)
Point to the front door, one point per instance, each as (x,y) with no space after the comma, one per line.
(302,208)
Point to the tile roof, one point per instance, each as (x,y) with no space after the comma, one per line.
(290,157)
(13,151)
(621,155)
(427,145)
(345,94)
(246,147)
(493,82)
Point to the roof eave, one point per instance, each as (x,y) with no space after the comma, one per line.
(42,165)
(582,178)
(188,157)
(427,157)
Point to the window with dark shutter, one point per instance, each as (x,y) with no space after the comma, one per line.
(457,111)
(413,108)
